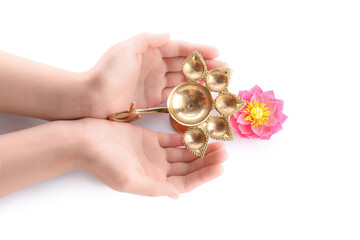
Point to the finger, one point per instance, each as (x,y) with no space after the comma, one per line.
(148,41)
(150,187)
(174,78)
(196,179)
(165,93)
(170,140)
(211,64)
(175,64)
(176,48)
(182,169)
(175,155)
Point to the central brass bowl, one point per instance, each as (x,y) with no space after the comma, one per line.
(190,104)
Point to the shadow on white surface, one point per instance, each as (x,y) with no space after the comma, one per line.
(75,183)
(11,123)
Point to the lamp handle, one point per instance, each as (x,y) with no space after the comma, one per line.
(134,114)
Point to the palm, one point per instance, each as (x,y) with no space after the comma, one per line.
(130,71)
(130,158)
(151,80)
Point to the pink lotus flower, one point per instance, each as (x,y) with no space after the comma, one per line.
(262,115)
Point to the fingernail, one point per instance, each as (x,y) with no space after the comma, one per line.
(217,51)
(164,34)
(173,196)
(226,155)
(221,144)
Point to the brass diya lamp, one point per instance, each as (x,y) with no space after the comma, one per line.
(190,105)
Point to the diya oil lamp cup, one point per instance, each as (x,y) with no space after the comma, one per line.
(190,105)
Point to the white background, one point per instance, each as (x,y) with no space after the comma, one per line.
(302,184)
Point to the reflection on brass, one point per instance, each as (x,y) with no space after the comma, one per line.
(177,126)
(228,104)
(195,139)
(218,128)
(134,114)
(194,66)
(190,105)
(218,79)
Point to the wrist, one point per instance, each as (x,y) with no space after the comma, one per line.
(93,90)
(71,144)
(83,82)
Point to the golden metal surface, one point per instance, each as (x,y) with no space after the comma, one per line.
(134,114)
(196,140)
(177,126)
(218,79)
(218,128)
(228,104)
(190,104)
(194,66)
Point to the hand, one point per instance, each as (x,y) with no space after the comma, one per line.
(143,69)
(132,159)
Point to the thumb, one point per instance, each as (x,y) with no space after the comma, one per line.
(148,41)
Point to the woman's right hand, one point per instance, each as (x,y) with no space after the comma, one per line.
(129,158)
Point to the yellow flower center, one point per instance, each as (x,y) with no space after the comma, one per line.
(257,113)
